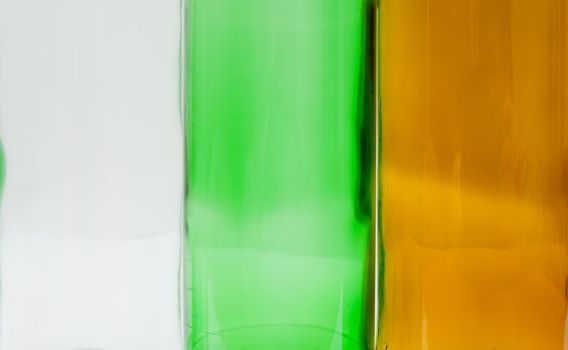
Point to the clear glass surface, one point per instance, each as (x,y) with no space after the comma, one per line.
(91,210)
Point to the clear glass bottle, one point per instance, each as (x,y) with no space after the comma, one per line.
(91,218)
(281,146)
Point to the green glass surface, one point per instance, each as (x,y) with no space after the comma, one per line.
(281,156)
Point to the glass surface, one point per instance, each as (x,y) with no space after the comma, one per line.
(90,218)
(281,153)
(474,174)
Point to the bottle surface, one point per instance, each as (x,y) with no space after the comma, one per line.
(474,165)
(92,140)
(281,161)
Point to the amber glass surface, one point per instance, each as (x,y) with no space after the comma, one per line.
(474,174)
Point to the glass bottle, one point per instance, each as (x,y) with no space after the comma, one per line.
(281,201)
(474,174)
(91,219)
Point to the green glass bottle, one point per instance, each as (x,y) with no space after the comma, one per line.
(282,165)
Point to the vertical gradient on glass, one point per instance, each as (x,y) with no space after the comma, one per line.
(280,146)
(474,173)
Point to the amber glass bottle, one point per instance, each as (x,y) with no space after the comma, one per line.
(474,174)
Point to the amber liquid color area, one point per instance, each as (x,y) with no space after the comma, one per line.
(474,174)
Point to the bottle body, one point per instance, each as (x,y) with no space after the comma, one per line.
(281,140)
(474,135)
(93,144)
